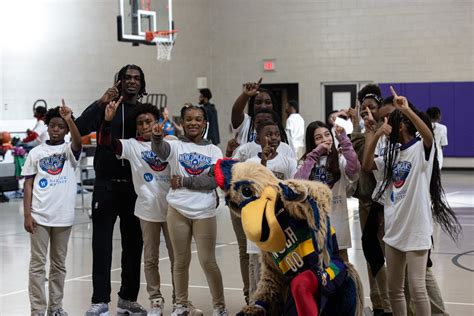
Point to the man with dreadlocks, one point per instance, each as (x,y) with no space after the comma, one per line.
(114,196)
(413,194)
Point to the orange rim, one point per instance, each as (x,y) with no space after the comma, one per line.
(149,36)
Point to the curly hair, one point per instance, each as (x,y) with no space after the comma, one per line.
(371,91)
(146,108)
(52,113)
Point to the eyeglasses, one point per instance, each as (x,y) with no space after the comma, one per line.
(260,101)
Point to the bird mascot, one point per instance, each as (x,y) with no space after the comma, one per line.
(301,272)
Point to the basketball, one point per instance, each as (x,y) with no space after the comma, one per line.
(5,137)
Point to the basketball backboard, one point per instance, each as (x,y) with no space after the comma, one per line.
(136,17)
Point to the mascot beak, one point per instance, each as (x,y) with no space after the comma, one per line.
(260,223)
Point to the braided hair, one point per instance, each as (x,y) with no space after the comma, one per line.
(442,212)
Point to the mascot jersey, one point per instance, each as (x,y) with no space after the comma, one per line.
(301,252)
(407,209)
(54,186)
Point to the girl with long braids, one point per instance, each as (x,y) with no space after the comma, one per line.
(413,195)
(324,163)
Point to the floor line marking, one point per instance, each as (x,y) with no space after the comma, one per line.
(112,270)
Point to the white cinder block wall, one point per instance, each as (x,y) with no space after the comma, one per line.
(226,41)
(74,54)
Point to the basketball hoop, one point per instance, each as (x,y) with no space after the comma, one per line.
(164,41)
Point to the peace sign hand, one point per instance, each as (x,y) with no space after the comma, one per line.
(251,88)
(65,111)
(399,101)
(111,108)
(111,93)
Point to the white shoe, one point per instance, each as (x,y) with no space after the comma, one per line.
(156,307)
(220,311)
(180,310)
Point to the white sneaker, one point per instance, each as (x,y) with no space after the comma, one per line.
(156,307)
(220,311)
(99,309)
(180,310)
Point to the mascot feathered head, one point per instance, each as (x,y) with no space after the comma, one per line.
(254,194)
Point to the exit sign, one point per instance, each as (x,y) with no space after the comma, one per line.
(269,65)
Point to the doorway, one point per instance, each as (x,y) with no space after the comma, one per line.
(283,93)
(339,96)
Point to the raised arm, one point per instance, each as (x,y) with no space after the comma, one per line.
(66,114)
(311,159)
(161,148)
(92,116)
(250,90)
(401,103)
(105,133)
(371,139)
(353,165)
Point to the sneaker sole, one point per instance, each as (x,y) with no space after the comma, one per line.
(101,314)
(122,311)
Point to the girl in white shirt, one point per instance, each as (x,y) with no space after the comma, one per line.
(413,195)
(192,213)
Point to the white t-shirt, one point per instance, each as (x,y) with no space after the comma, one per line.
(380,149)
(189,159)
(339,214)
(249,150)
(295,129)
(243,131)
(54,185)
(407,208)
(283,167)
(151,179)
(441,138)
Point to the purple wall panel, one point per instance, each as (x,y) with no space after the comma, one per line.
(464,128)
(442,96)
(385,88)
(456,101)
(418,94)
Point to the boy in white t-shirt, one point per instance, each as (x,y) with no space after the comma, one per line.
(151,180)
(440,132)
(49,173)
(283,167)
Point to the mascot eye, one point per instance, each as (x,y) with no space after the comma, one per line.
(247,191)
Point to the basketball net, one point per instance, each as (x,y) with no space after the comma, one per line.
(164,41)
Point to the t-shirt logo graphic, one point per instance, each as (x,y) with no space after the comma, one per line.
(400,173)
(43,183)
(53,164)
(148,177)
(153,161)
(194,163)
(322,175)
